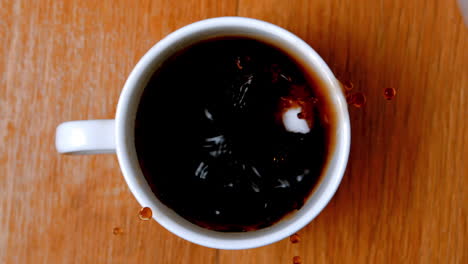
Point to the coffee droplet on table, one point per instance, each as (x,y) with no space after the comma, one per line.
(117,231)
(356,99)
(295,238)
(348,85)
(145,213)
(297,260)
(389,93)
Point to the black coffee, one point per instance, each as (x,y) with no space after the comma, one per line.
(229,134)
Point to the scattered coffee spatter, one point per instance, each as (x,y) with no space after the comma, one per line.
(117,231)
(389,93)
(145,214)
(357,99)
(297,260)
(295,238)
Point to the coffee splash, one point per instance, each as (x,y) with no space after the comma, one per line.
(117,231)
(295,238)
(145,213)
(357,99)
(297,260)
(389,93)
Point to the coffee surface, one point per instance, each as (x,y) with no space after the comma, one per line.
(229,134)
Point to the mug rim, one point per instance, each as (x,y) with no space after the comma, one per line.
(126,153)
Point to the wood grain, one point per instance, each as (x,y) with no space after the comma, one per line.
(402,200)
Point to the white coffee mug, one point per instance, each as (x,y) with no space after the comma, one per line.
(109,136)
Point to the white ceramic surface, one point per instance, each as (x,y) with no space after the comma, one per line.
(106,136)
(464,9)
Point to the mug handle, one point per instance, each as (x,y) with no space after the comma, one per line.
(86,137)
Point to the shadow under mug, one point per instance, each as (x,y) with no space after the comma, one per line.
(110,136)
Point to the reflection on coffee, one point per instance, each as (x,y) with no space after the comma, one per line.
(230,134)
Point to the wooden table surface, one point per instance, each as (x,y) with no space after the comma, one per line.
(403,198)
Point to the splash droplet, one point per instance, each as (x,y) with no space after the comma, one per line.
(348,85)
(145,213)
(356,99)
(295,239)
(117,231)
(389,93)
(238,63)
(297,260)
